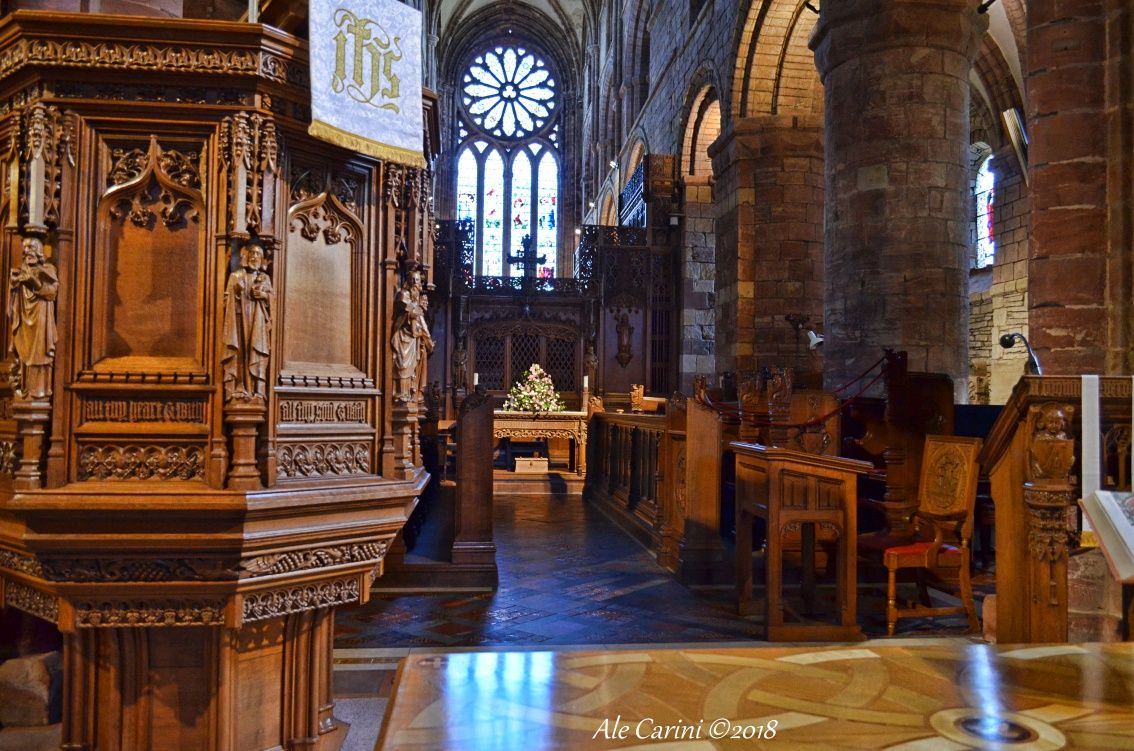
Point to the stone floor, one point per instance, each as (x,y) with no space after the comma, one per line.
(569,581)
(923,695)
(570,577)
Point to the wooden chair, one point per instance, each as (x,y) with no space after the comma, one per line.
(947,494)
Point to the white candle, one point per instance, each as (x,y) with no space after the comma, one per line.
(476,379)
(586,382)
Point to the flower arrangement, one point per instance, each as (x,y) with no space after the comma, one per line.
(534,393)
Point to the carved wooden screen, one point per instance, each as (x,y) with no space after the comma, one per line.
(502,351)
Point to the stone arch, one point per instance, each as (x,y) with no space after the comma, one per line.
(608,212)
(636,60)
(775,70)
(519,25)
(702,127)
(637,152)
(997,293)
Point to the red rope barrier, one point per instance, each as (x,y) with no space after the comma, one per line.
(865,373)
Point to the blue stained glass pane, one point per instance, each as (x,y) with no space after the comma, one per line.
(494,216)
(548,213)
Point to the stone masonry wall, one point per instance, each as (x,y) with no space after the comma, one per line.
(698,247)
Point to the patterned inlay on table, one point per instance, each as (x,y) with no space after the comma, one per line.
(914,698)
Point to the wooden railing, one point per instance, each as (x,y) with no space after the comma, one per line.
(623,471)
(659,478)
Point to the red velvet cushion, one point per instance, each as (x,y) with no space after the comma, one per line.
(917,548)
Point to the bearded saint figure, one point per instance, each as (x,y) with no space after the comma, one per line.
(31,315)
(247,327)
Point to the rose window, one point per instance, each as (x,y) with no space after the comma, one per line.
(509,92)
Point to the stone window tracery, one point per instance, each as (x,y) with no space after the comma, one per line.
(508,169)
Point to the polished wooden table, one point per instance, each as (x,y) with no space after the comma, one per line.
(800,496)
(913,694)
(570,425)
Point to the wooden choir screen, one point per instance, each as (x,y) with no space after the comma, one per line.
(614,322)
(636,319)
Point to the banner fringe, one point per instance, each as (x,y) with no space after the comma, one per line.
(385,152)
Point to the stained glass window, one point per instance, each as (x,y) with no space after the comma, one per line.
(509,92)
(548,182)
(521,205)
(466,186)
(507,170)
(492,263)
(985,196)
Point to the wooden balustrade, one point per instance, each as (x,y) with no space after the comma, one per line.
(662,486)
(623,471)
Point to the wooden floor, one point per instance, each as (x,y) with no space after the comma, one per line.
(944,696)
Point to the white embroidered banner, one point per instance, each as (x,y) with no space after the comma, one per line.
(366,77)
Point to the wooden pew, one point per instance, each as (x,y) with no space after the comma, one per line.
(461,547)
(663,477)
(798,494)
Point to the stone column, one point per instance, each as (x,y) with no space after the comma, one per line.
(698,272)
(896,103)
(769,198)
(1081,164)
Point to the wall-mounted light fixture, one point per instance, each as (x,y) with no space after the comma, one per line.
(1032,366)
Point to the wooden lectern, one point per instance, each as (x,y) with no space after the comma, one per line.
(209,437)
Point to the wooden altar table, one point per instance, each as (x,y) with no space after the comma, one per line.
(572,425)
(804,494)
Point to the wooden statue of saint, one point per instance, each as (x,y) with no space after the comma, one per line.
(247,327)
(410,339)
(31,316)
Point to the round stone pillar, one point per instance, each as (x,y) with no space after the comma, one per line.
(896,105)
(768,193)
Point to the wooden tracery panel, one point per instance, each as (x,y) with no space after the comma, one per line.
(150,260)
(504,349)
(322,243)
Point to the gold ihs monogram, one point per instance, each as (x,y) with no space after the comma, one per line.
(364,62)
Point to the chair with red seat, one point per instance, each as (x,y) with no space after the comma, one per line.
(947,495)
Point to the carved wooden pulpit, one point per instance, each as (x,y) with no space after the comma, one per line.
(216,332)
(1030,457)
